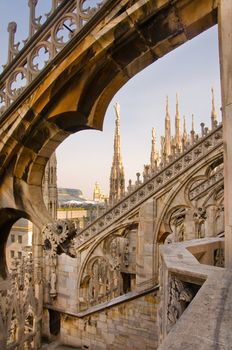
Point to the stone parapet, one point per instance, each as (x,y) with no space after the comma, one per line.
(188,288)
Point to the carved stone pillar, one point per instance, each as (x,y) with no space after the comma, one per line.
(189,225)
(225,51)
(145,246)
(38,266)
(210,226)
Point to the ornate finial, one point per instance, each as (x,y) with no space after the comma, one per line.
(13,48)
(193,123)
(213,106)
(153,132)
(178,134)
(177,107)
(117,110)
(213,111)
(184,126)
(138,182)
(167,143)
(34,23)
(154,158)
(193,130)
(129,188)
(185,136)
(12,27)
(167,112)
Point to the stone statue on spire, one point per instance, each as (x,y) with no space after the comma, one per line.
(167,138)
(154,159)
(178,135)
(185,135)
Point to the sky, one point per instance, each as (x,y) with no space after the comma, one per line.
(190,70)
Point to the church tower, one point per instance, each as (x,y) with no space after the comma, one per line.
(117,180)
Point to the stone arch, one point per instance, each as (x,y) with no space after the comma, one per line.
(186,185)
(76,92)
(8,217)
(118,230)
(214,206)
(174,214)
(113,256)
(215,165)
(95,282)
(28,170)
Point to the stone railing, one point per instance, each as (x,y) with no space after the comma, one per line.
(19,308)
(166,173)
(182,274)
(44,42)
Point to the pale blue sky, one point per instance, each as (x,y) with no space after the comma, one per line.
(190,70)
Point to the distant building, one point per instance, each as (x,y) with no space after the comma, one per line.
(19,241)
(70,197)
(77,215)
(98,195)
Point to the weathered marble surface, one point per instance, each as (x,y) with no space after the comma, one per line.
(205,324)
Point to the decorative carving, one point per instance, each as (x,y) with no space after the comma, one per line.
(126,253)
(177,226)
(199,218)
(53,284)
(56,33)
(205,185)
(219,257)
(103,281)
(19,308)
(180,295)
(55,234)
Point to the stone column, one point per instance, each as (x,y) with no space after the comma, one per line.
(189,225)
(38,280)
(225,50)
(145,246)
(210,223)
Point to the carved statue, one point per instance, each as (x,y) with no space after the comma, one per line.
(53,291)
(126,253)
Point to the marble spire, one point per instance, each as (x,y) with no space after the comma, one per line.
(167,141)
(178,135)
(213,111)
(117,179)
(154,152)
(185,135)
